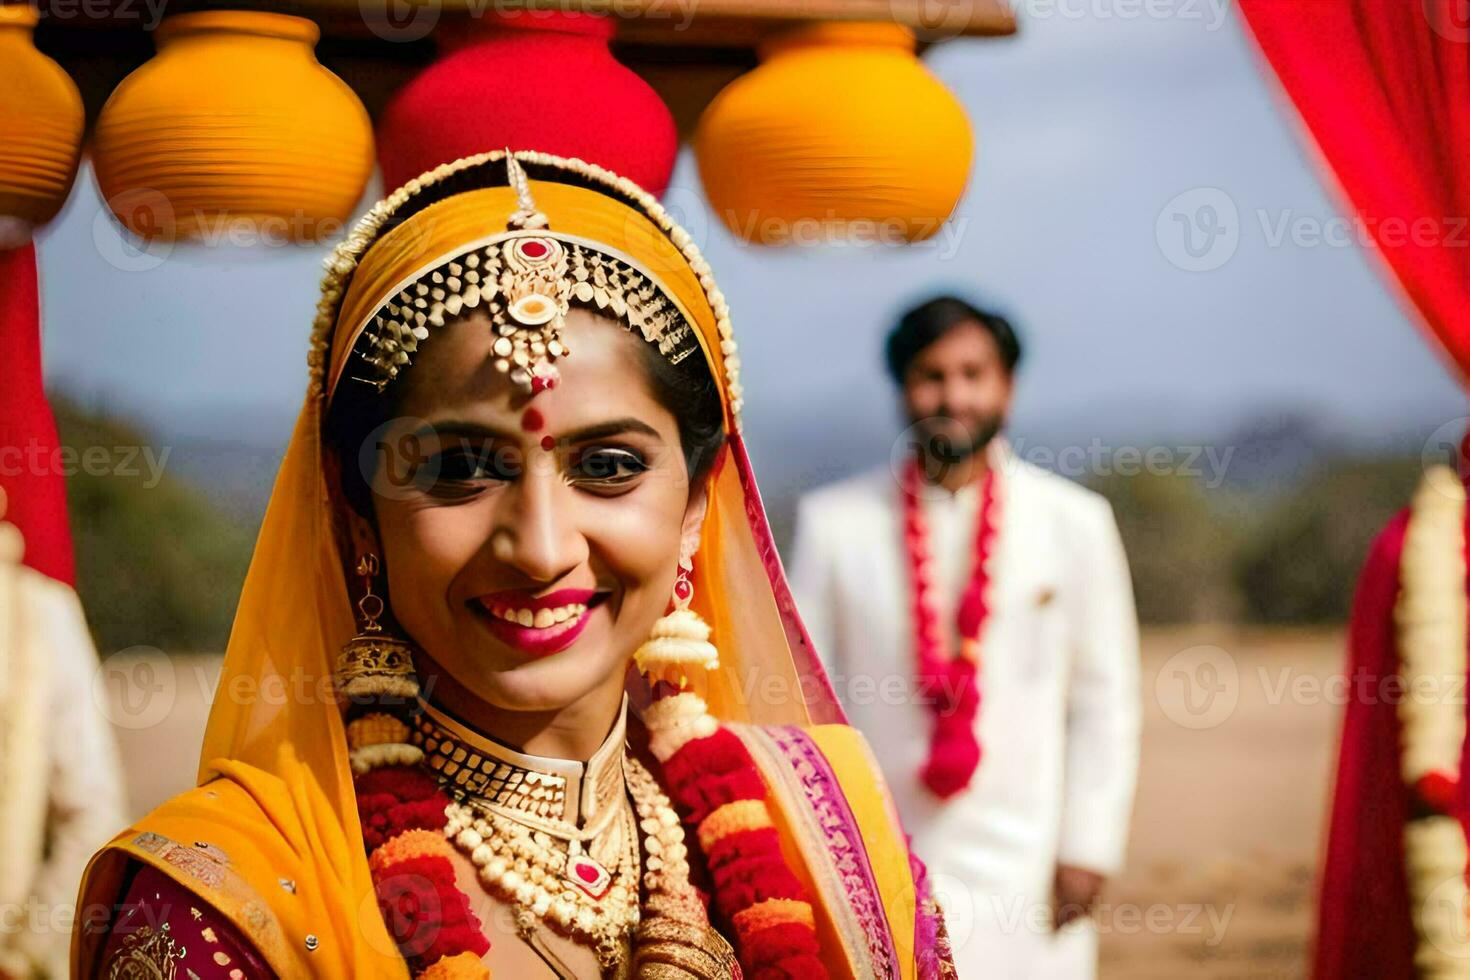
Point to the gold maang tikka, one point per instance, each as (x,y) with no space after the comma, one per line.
(527,278)
(374,664)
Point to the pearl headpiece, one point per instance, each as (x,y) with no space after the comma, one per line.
(527,277)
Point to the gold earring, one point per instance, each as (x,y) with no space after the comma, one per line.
(680,639)
(375,664)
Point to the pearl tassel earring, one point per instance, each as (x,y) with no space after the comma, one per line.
(678,645)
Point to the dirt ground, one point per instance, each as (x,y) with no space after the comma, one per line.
(1239,731)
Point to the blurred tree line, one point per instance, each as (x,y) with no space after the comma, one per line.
(1286,554)
(157,563)
(160,560)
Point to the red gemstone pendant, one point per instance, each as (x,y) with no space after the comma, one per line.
(589,876)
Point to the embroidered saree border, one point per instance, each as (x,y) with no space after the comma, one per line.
(831,841)
(200,870)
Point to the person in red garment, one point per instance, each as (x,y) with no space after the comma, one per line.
(1393,885)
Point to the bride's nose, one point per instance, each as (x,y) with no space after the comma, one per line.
(537,532)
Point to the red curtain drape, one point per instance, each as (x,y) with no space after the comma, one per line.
(32,471)
(1384,89)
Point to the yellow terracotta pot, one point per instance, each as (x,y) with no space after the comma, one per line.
(840,132)
(233,132)
(41,122)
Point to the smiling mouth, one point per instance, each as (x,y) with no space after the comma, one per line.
(538,618)
(538,626)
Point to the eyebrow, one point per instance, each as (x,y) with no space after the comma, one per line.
(601,430)
(616,427)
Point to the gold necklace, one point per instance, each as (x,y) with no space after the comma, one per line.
(557,839)
(529,869)
(560,842)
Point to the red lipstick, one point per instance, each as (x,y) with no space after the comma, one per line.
(537,625)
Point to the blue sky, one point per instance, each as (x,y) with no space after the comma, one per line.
(1088,126)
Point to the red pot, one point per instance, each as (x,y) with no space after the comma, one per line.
(543,80)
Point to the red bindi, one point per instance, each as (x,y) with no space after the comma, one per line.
(532,421)
(548,443)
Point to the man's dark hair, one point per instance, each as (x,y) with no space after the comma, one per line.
(929,321)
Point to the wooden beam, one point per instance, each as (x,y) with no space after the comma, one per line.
(722,23)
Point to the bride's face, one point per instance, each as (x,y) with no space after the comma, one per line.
(531,542)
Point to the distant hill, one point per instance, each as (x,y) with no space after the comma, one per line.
(159,561)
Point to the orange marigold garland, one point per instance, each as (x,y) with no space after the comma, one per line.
(720,794)
(402,811)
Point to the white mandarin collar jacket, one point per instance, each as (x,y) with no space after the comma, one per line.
(1059,715)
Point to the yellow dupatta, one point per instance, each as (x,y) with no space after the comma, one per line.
(271,835)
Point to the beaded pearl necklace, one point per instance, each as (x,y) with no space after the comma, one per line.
(582,882)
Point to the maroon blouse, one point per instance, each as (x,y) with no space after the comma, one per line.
(163,929)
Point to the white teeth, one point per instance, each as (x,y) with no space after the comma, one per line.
(539,618)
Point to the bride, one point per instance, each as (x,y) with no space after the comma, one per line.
(516,686)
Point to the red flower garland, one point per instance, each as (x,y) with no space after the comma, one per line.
(394,799)
(709,779)
(427,915)
(949,685)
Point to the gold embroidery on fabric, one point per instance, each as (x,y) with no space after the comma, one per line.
(256,916)
(830,842)
(204,865)
(146,955)
(203,861)
(944,947)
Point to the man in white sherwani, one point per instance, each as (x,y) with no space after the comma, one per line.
(1019,854)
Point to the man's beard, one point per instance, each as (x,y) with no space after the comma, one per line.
(949,442)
